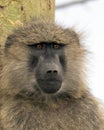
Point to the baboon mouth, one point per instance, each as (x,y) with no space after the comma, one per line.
(49,86)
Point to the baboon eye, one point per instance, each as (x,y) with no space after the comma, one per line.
(40,46)
(37,46)
(56,46)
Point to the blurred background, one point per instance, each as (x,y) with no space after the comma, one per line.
(87,16)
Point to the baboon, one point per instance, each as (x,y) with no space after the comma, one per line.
(42,84)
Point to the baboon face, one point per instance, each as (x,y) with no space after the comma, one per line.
(48,60)
(42,57)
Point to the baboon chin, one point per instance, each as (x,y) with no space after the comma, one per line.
(42,84)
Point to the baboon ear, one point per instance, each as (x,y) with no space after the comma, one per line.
(1,50)
(8,41)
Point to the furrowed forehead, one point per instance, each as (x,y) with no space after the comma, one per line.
(41,32)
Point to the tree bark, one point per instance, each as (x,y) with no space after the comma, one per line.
(14,13)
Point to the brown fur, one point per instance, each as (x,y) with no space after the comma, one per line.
(0,58)
(73,107)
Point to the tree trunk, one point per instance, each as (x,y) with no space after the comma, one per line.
(13,13)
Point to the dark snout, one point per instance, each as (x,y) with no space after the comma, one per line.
(50,78)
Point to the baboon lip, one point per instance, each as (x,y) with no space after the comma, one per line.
(50,81)
(49,86)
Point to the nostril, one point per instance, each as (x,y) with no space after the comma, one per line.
(55,71)
(49,71)
(52,72)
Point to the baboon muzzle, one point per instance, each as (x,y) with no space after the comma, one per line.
(49,75)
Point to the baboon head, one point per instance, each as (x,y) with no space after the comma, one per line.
(42,58)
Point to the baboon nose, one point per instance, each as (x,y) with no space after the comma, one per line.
(52,73)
